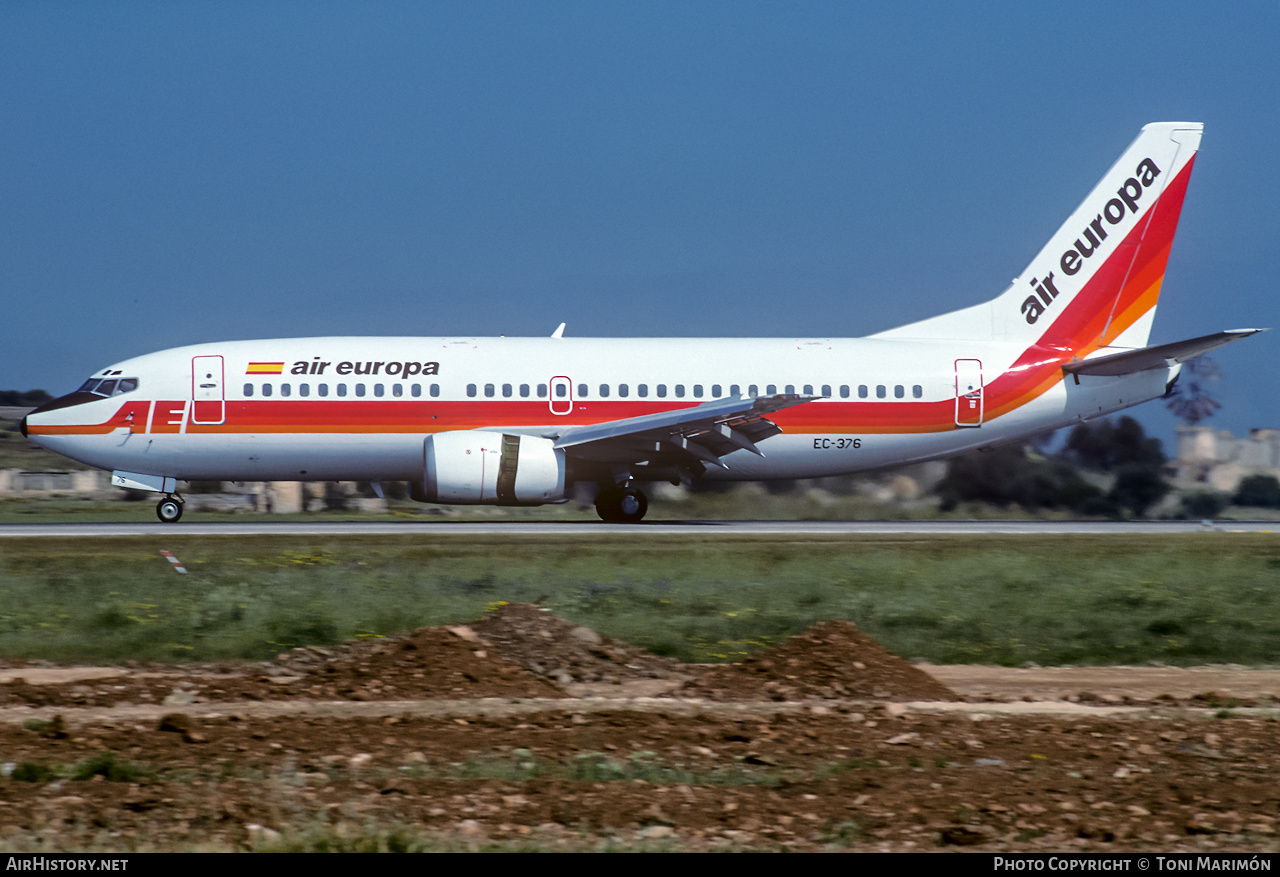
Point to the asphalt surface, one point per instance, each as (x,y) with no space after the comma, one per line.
(196,527)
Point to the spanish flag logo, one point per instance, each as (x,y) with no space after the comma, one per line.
(264,368)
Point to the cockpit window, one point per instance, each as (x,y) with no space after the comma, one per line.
(113,387)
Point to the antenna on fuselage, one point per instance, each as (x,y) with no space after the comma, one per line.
(559,332)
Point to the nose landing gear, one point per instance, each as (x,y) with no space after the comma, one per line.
(169,509)
(621,505)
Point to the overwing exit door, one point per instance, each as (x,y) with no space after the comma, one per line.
(560,395)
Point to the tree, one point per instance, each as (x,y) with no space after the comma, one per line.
(1260,491)
(1104,445)
(1008,475)
(1137,488)
(1191,400)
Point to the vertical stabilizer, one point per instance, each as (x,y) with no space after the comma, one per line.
(1096,283)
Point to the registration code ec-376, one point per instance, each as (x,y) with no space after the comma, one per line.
(827,444)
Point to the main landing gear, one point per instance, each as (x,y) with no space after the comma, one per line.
(621,505)
(169,509)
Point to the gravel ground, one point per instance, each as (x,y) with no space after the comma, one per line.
(524,731)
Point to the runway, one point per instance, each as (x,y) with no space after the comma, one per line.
(652,529)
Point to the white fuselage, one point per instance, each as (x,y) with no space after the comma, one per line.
(327,409)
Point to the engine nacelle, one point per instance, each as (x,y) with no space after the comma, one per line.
(489,468)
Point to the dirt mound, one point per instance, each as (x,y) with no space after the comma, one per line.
(446,662)
(554,649)
(829,660)
(519,650)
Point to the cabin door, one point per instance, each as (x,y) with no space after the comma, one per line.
(969,396)
(208,405)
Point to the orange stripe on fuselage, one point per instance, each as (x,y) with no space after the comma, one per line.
(373,416)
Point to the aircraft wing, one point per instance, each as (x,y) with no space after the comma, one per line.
(705,432)
(1160,356)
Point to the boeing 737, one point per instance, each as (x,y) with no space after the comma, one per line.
(520,421)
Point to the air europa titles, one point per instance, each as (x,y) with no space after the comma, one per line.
(1090,240)
(390,369)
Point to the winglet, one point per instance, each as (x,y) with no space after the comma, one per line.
(559,332)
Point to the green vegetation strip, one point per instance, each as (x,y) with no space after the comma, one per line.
(1180,599)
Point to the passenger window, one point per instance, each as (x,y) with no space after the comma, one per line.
(562,390)
(304,389)
(604,391)
(524,391)
(899,391)
(360,389)
(715,391)
(248,389)
(623,390)
(697,391)
(662,391)
(542,391)
(862,391)
(323,389)
(506,391)
(735,390)
(489,390)
(808,389)
(881,391)
(471,389)
(342,389)
(844,391)
(771,390)
(826,390)
(266,389)
(791,389)
(679,391)
(582,391)
(415,390)
(284,389)
(642,390)
(435,390)
(377,389)
(917,391)
(753,390)
(397,390)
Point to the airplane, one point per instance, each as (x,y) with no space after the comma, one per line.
(521,421)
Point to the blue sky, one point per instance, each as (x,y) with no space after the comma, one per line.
(182,172)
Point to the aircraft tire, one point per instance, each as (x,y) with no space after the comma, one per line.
(622,505)
(169,511)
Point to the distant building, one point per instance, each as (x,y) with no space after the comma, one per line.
(76,482)
(252,496)
(1217,459)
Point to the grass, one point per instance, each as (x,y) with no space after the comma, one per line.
(1180,599)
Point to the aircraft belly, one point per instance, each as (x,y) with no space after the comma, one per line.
(287,457)
(251,457)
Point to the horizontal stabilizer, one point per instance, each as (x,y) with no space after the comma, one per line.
(1162,356)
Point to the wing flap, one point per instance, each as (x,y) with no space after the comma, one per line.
(703,433)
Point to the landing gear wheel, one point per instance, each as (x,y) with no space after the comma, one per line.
(621,505)
(169,510)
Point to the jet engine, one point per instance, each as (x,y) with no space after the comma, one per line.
(490,468)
